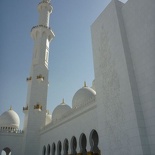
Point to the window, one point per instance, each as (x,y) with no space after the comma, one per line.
(46,57)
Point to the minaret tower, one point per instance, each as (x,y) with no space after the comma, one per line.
(35,110)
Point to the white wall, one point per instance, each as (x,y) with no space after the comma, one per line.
(120,117)
(74,125)
(140,27)
(12,141)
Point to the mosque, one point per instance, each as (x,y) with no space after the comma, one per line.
(116,115)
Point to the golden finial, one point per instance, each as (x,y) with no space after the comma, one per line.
(11,107)
(63,102)
(85,84)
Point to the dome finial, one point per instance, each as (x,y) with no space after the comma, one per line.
(63,102)
(11,107)
(85,85)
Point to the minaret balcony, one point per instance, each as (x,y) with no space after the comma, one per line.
(40,78)
(39,30)
(38,107)
(25,109)
(44,26)
(29,78)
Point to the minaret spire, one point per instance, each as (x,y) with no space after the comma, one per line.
(38,80)
(42,34)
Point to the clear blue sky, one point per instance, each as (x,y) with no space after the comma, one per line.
(70,61)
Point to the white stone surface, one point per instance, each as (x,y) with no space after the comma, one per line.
(138,16)
(121,109)
(60,110)
(9,119)
(14,141)
(81,121)
(116,84)
(83,96)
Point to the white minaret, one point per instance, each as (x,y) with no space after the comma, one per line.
(35,110)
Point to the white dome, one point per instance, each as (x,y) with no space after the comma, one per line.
(48,118)
(10,119)
(60,110)
(83,96)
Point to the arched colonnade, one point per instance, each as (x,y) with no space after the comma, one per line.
(62,148)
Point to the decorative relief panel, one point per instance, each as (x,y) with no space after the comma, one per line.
(110,86)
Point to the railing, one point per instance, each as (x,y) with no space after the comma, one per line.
(11,131)
(38,106)
(40,26)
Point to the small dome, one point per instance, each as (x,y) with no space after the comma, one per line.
(83,96)
(9,119)
(60,110)
(48,118)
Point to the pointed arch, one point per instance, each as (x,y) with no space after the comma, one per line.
(6,151)
(83,144)
(94,140)
(53,149)
(65,147)
(44,34)
(48,149)
(73,145)
(59,148)
(44,150)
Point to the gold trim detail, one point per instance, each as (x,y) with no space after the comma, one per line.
(40,77)
(89,153)
(38,106)
(29,78)
(25,108)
